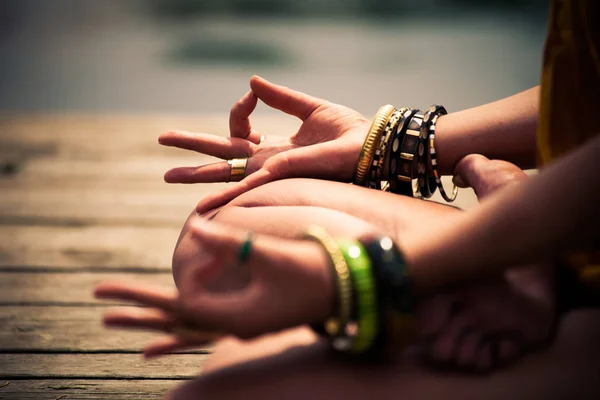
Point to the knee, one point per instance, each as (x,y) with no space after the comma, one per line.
(288,192)
(185,248)
(189,253)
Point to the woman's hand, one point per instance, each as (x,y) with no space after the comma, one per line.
(486,176)
(290,284)
(160,312)
(326,146)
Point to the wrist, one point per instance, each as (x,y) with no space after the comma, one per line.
(369,162)
(330,292)
(445,159)
(350,152)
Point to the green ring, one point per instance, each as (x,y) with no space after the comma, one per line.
(364,287)
(244,254)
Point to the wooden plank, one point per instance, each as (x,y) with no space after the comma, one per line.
(66,329)
(99,366)
(111,137)
(124,247)
(101,193)
(84,206)
(86,389)
(142,171)
(82,170)
(66,288)
(95,136)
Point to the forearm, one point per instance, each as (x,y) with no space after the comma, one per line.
(549,214)
(505,129)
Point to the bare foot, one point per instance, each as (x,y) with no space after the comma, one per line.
(489,324)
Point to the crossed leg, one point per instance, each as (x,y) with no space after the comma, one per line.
(474,327)
(293,364)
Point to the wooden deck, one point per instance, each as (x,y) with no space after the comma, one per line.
(82,200)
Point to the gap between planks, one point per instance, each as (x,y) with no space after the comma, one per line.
(93,246)
(67,329)
(68,287)
(99,366)
(113,389)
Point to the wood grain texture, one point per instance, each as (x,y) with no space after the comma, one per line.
(102,366)
(55,329)
(95,170)
(66,288)
(83,200)
(95,204)
(80,248)
(116,389)
(113,137)
(85,170)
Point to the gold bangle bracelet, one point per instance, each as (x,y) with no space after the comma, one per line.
(373,136)
(335,326)
(383,144)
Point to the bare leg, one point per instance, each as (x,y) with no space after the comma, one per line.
(285,221)
(521,301)
(274,208)
(476,327)
(392,214)
(465,328)
(291,365)
(254,210)
(294,364)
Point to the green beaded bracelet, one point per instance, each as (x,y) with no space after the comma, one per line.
(366,300)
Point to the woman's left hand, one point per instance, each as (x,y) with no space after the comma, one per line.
(326,146)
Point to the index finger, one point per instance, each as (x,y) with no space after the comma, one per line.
(239,116)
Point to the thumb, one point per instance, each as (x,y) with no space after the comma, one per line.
(284,99)
(486,176)
(470,170)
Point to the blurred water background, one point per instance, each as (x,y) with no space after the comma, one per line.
(196,56)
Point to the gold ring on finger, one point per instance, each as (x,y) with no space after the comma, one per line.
(238,169)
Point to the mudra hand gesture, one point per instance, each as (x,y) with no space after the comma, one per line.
(326,146)
(275,298)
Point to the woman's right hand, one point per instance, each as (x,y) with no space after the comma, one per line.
(291,284)
(326,146)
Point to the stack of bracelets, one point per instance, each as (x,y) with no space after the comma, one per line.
(409,137)
(374,295)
